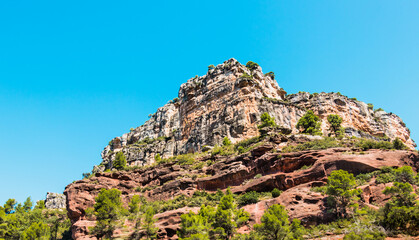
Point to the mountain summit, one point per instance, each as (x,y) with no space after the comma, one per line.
(228,102)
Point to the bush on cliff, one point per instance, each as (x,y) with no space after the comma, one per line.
(120,161)
(252,65)
(335,122)
(267,121)
(309,124)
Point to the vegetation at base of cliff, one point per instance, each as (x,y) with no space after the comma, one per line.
(398,216)
(222,222)
(19,221)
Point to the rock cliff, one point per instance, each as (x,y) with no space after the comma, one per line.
(55,201)
(227,102)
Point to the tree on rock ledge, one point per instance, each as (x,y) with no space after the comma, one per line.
(309,123)
(120,161)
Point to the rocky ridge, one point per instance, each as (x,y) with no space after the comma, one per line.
(228,102)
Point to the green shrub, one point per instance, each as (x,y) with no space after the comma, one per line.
(267,121)
(276,193)
(157,158)
(252,65)
(335,122)
(210,67)
(317,144)
(366,144)
(370,106)
(226,141)
(309,123)
(248,198)
(120,161)
(185,159)
(398,144)
(257,176)
(365,234)
(270,74)
(246,76)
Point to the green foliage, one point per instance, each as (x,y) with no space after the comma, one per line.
(226,141)
(341,190)
(21,222)
(252,65)
(366,144)
(134,204)
(270,74)
(210,67)
(309,123)
(366,234)
(211,223)
(267,121)
(246,76)
(27,205)
(120,161)
(148,224)
(157,158)
(398,144)
(275,225)
(107,210)
(10,205)
(335,122)
(317,144)
(35,231)
(248,198)
(276,193)
(40,205)
(370,106)
(402,212)
(223,150)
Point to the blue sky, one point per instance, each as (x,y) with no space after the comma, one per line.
(73,75)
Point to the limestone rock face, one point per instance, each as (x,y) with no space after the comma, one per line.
(55,201)
(228,102)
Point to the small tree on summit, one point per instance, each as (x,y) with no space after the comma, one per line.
(310,123)
(120,161)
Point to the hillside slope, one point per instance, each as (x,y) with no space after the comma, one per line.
(179,151)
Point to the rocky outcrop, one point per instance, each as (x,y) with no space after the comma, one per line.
(278,170)
(228,102)
(55,201)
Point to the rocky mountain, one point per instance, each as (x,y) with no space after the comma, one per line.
(178,152)
(228,102)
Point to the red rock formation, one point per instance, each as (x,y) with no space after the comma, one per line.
(279,171)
